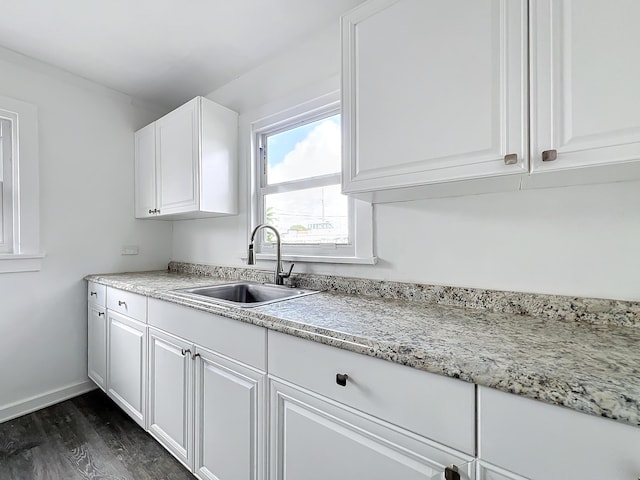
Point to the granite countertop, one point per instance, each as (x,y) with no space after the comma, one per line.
(589,367)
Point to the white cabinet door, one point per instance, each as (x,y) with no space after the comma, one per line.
(545,442)
(145,172)
(97,345)
(171,394)
(229,419)
(584,85)
(316,439)
(177,156)
(127,364)
(433,91)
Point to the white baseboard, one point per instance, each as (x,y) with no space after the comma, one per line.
(17,409)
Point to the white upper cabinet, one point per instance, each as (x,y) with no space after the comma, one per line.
(145,171)
(186,163)
(436,96)
(178,152)
(434,91)
(585,75)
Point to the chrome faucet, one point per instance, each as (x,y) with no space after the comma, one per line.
(251,260)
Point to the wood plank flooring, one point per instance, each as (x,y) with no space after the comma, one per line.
(85,438)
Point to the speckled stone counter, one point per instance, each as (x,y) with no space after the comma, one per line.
(592,367)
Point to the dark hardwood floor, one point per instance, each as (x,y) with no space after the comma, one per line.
(87,437)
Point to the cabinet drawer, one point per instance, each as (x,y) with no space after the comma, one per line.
(545,442)
(437,407)
(316,438)
(127,303)
(97,294)
(234,339)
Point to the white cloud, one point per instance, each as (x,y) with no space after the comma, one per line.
(318,154)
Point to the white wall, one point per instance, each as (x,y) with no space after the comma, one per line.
(573,241)
(86,210)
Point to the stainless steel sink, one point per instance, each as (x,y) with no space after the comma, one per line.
(246,294)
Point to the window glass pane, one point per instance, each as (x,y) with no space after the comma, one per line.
(5,178)
(309,150)
(312,215)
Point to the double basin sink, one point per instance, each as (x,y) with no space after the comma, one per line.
(245,294)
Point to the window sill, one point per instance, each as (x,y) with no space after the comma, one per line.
(319,259)
(20,262)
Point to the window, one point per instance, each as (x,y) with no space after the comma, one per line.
(19,192)
(6,182)
(297,187)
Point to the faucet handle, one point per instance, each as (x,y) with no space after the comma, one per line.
(287,275)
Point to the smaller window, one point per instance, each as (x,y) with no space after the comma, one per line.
(300,185)
(6,182)
(298,161)
(19,192)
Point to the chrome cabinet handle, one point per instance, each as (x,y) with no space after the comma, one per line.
(101,314)
(549,155)
(185,351)
(121,303)
(341,379)
(91,294)
(194,356)
(511,159)
(150,211)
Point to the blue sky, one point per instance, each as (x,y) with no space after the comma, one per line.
(278,146)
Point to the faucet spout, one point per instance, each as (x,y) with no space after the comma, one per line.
(280,275)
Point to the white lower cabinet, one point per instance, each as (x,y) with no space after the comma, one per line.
(97,344)
(543,442)
(197,382)
(341,415)
(229,414)
(127,364)
(314,438)
(206,391)
(97,334)
(171,394)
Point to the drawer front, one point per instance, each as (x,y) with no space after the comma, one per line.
(97,294)
(316,438)
(434,406)
(231,338)
(127,303)
(545,442)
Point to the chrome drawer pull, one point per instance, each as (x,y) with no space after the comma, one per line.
(341,379)
(93,293)
(121,303)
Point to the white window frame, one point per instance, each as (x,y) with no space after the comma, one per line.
(22,252)
(360,247)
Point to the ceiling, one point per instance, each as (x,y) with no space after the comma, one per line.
(162,51)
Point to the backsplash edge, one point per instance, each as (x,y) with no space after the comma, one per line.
(591,310)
